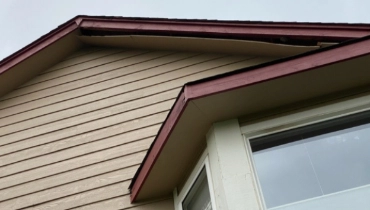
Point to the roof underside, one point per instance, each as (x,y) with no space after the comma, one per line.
(205,45)
(321,75)
(304,34)
(52,47)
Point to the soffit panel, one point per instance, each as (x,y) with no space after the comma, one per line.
(182,150)
(188,137)
(285,91)
(223,46)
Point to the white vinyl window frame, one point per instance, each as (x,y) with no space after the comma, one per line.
(301,118)
(203,163)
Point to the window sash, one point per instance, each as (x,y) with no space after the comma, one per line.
(356,107)
(179,197)
(199,190)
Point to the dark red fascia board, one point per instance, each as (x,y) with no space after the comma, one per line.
(173,26)
(230,28)
(36,46)
(242,78)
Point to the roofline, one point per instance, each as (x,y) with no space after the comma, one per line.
(38,45)
(245,28)
(169,27)
(238,79)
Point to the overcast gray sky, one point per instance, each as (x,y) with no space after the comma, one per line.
(23,21)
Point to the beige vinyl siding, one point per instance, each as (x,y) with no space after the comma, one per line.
(73,137)
(82,52)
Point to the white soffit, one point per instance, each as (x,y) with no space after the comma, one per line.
(187,140)
(225,46)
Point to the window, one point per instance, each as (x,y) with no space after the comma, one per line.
(198,198)
(197,192)
(325,165)
(317,158)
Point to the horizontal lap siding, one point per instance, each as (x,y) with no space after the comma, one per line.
(73,137)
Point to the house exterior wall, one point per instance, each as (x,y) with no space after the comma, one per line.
(74,136)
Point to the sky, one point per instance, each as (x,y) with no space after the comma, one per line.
(24,21)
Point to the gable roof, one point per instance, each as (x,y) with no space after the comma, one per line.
(25,63)
(318,61)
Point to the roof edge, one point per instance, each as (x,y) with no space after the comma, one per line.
(169,26)
(292,65)
(267,24)
(238,79)
(39,44)
(339,32)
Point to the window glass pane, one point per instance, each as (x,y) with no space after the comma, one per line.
(342,159)
(286,174)
(198,197)
(316,172)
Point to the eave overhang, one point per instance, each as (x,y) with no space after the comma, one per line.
(57,44)
(25,62)
(276,32)
(251,30)
(324,73)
